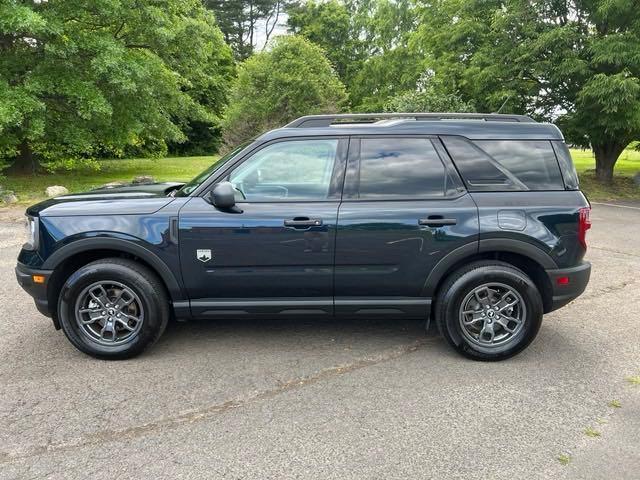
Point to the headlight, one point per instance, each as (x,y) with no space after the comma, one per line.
(32,234)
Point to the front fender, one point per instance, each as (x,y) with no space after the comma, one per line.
(119,244)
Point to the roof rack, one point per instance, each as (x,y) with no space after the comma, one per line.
(310,121)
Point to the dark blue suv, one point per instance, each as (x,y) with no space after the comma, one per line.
(473,220)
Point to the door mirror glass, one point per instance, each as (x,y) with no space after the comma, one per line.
(223,196)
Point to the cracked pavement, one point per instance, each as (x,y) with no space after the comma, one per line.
(330,399)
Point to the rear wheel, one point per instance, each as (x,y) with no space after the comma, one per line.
(113,308)
(489,310)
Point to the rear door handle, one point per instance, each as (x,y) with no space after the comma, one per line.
(303,222)
(437,221)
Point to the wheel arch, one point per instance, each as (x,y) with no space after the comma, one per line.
(69,258)
(530,259)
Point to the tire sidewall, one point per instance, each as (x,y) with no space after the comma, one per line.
(513,278)
(89,274)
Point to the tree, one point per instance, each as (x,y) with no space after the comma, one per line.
(367,42)
(82,76)
(577,63)
(330,25)
(428,97)
(292,79)
(244,21)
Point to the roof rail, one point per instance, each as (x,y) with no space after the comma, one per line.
(310,121)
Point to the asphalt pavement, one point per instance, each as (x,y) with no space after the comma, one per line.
(279,399)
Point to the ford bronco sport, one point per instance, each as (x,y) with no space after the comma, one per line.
(472,220)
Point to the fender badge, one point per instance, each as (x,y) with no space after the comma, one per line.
(204,255)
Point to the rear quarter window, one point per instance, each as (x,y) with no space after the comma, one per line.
(495,165)
(567,167)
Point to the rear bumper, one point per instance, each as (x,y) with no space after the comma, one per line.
(563,293)
(38,291)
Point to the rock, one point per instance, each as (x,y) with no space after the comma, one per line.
(112,185)
(9,198)
(143,180)
(636,179)
(56,191)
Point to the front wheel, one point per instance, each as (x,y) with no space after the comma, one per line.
(489,310)
(113,308)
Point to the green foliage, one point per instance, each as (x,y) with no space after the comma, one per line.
(80,77)
(367,42)
(429,97)
(293,78)
(591,432)
(330,25)
(564,459)
(72,164)
(578,63)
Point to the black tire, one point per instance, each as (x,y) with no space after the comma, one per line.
(459,285)
(141,281)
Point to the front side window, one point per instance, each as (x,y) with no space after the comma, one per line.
(289,170)
(400,168)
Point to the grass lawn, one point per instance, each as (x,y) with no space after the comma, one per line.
(623,187)
(30,189)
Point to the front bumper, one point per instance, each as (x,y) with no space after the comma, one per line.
(38,291)
(574,281)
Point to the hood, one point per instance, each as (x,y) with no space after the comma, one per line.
(132,199)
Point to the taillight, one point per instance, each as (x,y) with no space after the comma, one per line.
(584,224)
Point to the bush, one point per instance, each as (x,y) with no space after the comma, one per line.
(429,96)
(292,79)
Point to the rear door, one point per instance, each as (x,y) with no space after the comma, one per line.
(404,208)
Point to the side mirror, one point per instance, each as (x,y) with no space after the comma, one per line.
(223,197)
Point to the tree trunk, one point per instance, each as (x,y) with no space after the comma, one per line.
(25,162)
(606,156)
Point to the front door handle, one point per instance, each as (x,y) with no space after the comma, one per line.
(437,221)
(303,222)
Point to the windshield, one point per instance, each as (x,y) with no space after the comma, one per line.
(201,177)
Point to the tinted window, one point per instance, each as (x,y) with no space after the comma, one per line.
(506,164)
(477,168)
(569,173)
(532,162)
(400,168)
(292,170)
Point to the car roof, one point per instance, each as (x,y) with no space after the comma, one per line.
(472,126)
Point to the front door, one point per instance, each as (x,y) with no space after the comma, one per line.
(276,256)
(403,210)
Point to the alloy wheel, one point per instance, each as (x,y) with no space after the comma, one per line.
(109,313)
(492,315)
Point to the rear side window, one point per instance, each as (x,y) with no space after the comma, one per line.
(490,165)
(400,168)
(569,173)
